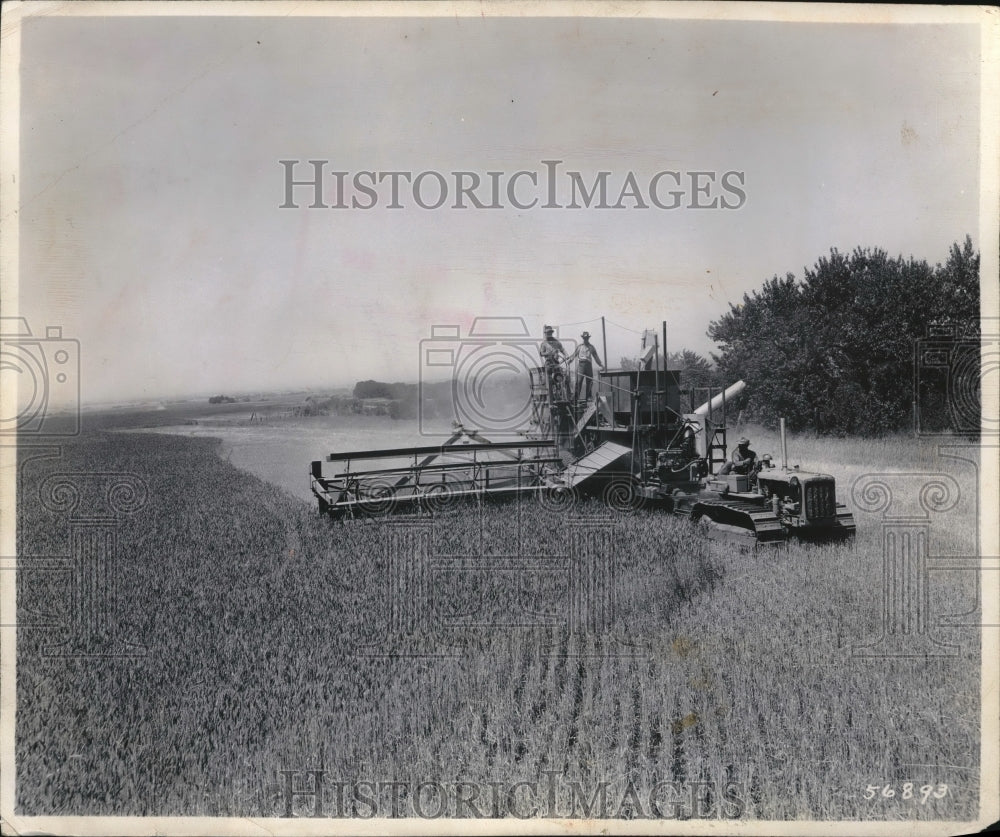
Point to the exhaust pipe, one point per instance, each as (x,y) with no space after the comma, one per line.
(784,447)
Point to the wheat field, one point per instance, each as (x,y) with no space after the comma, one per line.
(724,687)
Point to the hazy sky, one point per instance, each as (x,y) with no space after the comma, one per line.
(151,184)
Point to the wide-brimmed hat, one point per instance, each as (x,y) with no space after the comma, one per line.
(548,329)
(743,441)
(585,335)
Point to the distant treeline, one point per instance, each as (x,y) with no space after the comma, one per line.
(379,398)
(226,399)
(862,344)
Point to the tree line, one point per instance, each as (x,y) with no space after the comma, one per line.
(864,343)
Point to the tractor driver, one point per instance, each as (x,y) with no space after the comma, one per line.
(744,460)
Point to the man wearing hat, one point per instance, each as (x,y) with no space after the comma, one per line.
(586,356)
(743,460)
(553,354)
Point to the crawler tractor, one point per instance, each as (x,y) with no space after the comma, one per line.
(632,445)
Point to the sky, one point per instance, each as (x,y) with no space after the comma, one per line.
(151,227)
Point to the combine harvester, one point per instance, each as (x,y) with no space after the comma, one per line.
(633,446)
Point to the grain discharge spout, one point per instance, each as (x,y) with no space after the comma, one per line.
(720,399)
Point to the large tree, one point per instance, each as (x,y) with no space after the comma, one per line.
(835,351)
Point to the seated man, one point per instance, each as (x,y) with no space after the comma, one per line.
(743,460)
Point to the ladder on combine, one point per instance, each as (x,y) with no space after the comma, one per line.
(541,402)
(715,425)
(560,420)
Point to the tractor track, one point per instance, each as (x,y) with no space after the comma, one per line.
(759,521)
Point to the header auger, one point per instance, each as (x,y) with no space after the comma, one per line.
(632,444)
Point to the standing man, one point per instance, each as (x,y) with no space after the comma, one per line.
(586,356)
(553,354)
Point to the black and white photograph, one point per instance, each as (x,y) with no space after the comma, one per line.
(499,418)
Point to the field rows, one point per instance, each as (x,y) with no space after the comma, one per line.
(259,619)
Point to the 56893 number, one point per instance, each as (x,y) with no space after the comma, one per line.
(908,790)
